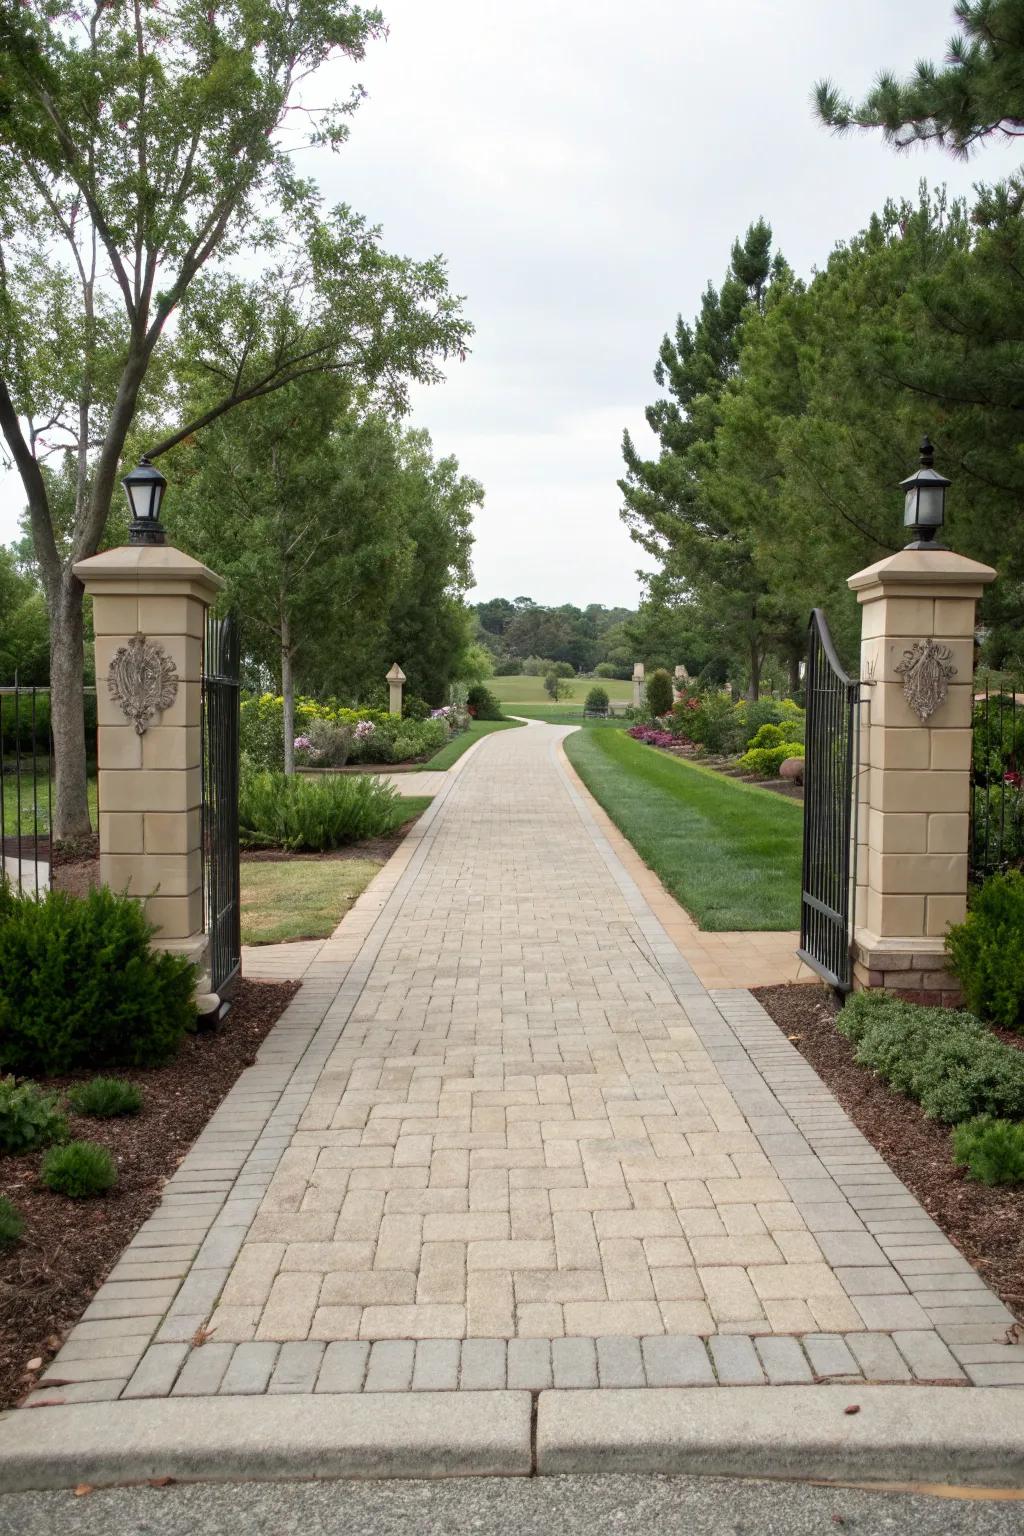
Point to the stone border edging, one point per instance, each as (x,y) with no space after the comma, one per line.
(899,1434)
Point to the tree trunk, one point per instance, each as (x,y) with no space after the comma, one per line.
(754,689)
(67,709)
(288,690)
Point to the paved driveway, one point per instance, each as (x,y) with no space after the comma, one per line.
(505,1139)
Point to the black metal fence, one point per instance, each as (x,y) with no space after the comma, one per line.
(220,755)
(829,837)
(27,783)
(997,782)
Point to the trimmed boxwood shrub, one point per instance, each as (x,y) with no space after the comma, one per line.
(986,951)
(82,988)
(949,1061)
(79,1169)
(596,702)
(765,762)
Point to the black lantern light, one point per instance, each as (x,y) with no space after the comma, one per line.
(145,487)
(924,509)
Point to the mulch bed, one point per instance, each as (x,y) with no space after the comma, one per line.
(70,1246)
(987,1225)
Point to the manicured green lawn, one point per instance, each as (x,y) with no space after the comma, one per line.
(569,713)
(299,898)
(730,853)
(530,690)
(453,750)
(34,803)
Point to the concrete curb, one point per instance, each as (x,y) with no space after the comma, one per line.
(483,1434)
(899,1434)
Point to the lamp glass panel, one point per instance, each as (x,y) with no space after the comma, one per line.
(910,508)
(930,506)
(140,497)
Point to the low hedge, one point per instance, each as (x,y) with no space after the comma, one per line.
(276,810)
(948,1061)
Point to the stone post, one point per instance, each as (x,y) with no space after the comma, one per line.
(680,680)
(638,685)
(913,796)
(149,613)
(396,682)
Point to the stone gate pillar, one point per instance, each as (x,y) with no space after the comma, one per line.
(638,685)
(149,614)
(396,682)
(917,667)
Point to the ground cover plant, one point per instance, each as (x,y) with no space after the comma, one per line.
(67,1247)
(28,1117)
(105,1097)
(83,988)
(730,853)
(78,1169)
(947,1060)
(276,810)
(12,1223)
(992,1150)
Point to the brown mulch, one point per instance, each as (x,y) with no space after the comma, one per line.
(987,1225)
(69,1246)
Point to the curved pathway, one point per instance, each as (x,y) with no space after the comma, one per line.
(504,1137)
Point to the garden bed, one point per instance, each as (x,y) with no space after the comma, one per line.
(986,1223)
(69,1246)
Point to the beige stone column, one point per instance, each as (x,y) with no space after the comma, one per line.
(396,682)
(638,685)
(149,613)
(917,667)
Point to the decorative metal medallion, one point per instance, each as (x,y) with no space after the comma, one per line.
(142,680)
(926,669)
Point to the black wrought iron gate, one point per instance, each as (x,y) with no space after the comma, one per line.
(220,802)
(829,869)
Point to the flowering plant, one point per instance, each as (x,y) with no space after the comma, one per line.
(365,729)
(652,737)
(304,744)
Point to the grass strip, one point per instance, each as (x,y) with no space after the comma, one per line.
(729,853)
(453,749)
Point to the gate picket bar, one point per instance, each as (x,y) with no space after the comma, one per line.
(829,864)
(220,749)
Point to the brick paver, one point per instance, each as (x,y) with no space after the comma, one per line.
(503,1110)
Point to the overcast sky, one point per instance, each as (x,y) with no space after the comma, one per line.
(585,165)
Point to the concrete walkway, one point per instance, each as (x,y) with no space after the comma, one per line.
(504,1142)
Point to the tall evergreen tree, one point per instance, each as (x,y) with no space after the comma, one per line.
(673,507)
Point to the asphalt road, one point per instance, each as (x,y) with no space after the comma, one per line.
(546,1506)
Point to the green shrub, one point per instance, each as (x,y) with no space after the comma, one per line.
(508,666)
(78,1169)
(483,703)
(324,745)
(716,724)
(766,736)
(997,742)
(756,713)
(986,951)
(765,762)
(658,693)
(418,738)
(947,1060)
(997,827)
(605,669)
(82,988)
(596,702)
(105,1097)
(262,724)
(415,708)
(556,686)
(991,1150)
(28,1118)
(284,811)
(12,1223)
